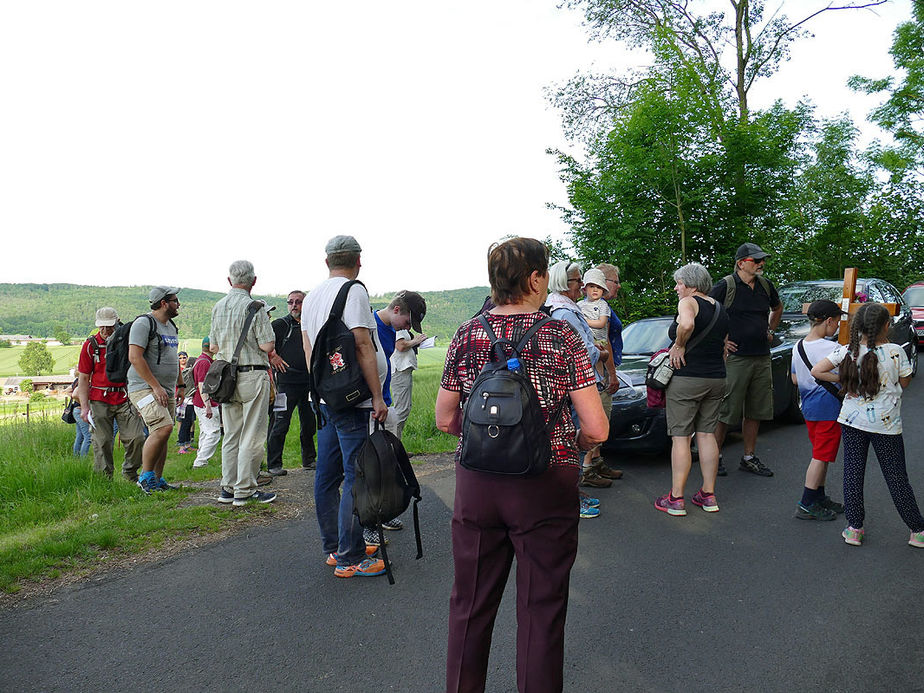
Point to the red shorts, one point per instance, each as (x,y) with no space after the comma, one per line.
(826,439)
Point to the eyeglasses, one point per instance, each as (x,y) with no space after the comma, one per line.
(294,302)
(173,300)
(756,262)
(574,280)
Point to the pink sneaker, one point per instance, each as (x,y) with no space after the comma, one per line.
(671,507)
(917,539)
(707,503)
(853,536)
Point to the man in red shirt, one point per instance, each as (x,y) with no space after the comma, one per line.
(208,411)
(102,402)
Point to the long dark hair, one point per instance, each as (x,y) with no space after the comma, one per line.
(863,379)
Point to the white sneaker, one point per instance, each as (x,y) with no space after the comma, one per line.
(198,464)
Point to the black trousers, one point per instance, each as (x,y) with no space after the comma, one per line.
(296,396)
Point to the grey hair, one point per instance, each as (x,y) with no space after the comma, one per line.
(241,272)
(558,275)
(694,276)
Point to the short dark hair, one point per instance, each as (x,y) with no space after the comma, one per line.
(342,260)
(510,265)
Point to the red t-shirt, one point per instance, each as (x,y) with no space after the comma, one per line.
(101,388)
(200,368)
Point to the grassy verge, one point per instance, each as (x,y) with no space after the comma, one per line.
(57,516)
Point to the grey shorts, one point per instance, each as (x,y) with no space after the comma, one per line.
(693,405)
(749,389)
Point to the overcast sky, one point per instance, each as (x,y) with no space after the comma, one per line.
(148,143)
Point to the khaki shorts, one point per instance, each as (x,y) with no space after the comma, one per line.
(606,399)
(748,389)
(693,405)
(152,413)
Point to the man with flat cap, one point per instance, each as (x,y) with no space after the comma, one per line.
(107,402)
(754,311)
(342,433)
(154,374)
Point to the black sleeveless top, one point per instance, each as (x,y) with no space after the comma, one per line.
(706,359)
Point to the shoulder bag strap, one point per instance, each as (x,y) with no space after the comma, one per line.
(251,311)
(336,310)
(830,387)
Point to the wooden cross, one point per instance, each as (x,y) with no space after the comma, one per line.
(850,306)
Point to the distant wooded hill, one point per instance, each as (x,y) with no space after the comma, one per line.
(39,309)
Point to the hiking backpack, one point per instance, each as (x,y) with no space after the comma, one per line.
(336,376)
(504,430)
(384,486)
(117,362)
(731,288)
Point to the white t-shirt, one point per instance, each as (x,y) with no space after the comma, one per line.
(402,360)
(356,313)
(594,310)
(882,413)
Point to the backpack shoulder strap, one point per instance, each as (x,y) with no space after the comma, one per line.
(336,310)
(153,330)
(497,344)
(729,290)
(831,388)
(536,326)
(765,283)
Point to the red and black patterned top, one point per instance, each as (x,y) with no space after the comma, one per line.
(555,360)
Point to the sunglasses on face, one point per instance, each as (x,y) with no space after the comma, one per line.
(294,302)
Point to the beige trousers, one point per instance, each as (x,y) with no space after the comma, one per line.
(245,421)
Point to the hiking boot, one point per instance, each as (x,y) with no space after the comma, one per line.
(148,485)
(603,470)
(816,511)
(588,511)
(370,567)
(276,471)
(371,537)
(332,557)
(263,479)
(671,507)
(393,525)
(707,503)
(255,497)
(831,505)
(755,466)
(592,480)
(225,497)
(854,536)
(917,539)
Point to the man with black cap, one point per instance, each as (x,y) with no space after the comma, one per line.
(106,401)
(154,374)
(754,311)
(405,311)
(343,432)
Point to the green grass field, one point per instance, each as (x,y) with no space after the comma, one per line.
(65,357)
(57,516)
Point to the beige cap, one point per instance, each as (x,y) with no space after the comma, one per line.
(107,317)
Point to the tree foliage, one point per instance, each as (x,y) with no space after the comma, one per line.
(36,359)
(679,167)
(62,335)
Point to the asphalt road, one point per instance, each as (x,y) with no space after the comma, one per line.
(744,599)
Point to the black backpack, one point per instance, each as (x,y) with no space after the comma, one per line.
(384,485)
(336,376)
(504,430)
(117,362)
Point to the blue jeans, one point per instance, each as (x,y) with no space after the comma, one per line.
(81,435)
(338,443)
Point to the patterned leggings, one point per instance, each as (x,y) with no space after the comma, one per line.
(890,451)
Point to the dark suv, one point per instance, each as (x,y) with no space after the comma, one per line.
(902,331)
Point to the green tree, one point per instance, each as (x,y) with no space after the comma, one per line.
(26,385)
(62,335)
(902,114)
(35,359)
(5,344)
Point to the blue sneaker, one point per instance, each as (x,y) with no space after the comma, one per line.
(225,497)
(162,485)
(148,484)
(255,497)
(588,511)
(592,502)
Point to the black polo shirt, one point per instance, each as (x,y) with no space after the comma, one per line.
(289,347)
(749,315)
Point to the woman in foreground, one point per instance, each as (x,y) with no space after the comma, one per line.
(534,518)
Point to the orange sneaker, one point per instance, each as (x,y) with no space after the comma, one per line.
(332,557)
(370,567)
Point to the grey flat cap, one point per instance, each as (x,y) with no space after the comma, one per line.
(342,244)
(159,293)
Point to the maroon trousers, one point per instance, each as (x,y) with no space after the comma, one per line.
(496,518)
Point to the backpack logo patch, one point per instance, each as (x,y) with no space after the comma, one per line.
(337,363)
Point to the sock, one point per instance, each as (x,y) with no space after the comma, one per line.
(809,496)
(748,458)
(821,492)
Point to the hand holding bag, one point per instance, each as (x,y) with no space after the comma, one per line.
(67,416)
(660,371)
